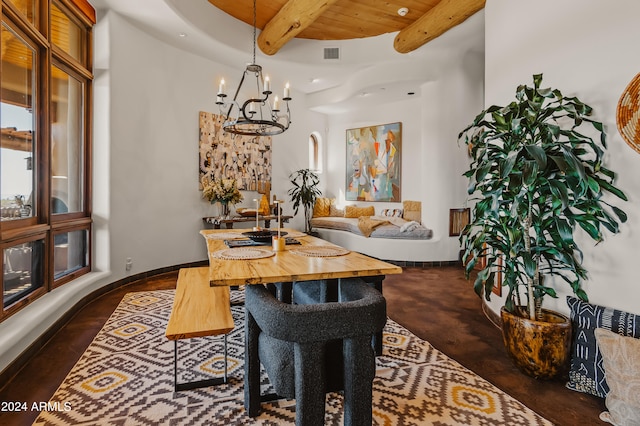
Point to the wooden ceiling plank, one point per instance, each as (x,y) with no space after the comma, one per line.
(349,19)
(441,18)
(340,30)
(243,10)
(293,18)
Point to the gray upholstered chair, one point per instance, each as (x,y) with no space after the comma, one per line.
(308,350)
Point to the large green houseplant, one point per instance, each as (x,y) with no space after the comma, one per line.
(536,176)
(304,193)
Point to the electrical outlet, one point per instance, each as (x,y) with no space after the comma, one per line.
(128,264)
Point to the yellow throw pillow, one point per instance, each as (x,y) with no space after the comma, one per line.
(355,211)
(412,210)
(321,207)
(335,212)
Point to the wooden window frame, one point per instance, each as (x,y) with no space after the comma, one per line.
(43,225)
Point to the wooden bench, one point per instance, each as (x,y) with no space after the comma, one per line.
(198,310)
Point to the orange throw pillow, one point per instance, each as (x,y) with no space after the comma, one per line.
(322,207)
(355,211)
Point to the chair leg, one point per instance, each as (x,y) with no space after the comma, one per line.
(358,381)
(251,367)
(309,387)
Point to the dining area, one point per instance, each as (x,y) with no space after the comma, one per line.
(314,314)
(126,371)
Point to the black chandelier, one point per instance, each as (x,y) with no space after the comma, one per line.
(256,116)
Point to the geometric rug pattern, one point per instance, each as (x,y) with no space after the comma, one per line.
(125,377)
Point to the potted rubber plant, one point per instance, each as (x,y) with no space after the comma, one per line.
(304,193)
(537,177)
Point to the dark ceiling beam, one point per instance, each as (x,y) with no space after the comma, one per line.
(295,16)
(441,18)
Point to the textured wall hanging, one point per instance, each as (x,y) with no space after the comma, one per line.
(628,114)
(247,159)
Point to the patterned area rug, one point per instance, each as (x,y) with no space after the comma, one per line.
(125,377)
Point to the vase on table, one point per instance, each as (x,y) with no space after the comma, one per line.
(225,209)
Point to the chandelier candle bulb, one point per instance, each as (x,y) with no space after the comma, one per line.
(276,104)
(287,93)
(267,85)
(221,87)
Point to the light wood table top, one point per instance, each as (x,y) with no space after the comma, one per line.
(198,309)
(286,266)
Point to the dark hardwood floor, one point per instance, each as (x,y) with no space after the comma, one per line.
(437,304)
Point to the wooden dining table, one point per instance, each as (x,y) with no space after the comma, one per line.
(287,265)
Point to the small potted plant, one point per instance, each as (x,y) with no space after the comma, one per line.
(304,193)
(536,176)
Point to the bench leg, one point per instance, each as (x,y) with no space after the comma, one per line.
(225,358)
(198,383)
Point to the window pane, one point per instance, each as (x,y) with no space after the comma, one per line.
(17,150)
(23,271)
(65,33)
(67,143)
(315,160)
(70,252)
(27,7)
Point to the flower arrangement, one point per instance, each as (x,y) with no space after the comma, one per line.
(224,191)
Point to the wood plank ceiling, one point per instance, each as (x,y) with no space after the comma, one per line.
(282,20)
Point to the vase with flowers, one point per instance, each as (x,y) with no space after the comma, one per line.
(223,191)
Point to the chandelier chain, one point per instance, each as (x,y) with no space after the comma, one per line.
(256,116)
(254,30)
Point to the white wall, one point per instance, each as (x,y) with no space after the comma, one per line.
(432,160)
(156,94)
(147,205)
(588,49)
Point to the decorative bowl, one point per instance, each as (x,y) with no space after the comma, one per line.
(263,236)
(246,212)
(260,236)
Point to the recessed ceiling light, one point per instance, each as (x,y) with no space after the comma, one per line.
(314,80)
(403,11)
(182,35)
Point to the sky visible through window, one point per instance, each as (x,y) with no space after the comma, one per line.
(16,179)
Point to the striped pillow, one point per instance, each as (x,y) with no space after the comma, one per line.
(392,212)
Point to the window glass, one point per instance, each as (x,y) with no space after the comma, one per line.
(23,271)
(67,142)
(65,33)
(315,156)
(17,147)
(27,7)
(70,252)
(45,81)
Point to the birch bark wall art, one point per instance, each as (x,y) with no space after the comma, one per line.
(247,159)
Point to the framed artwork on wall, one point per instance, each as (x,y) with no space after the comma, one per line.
(373,163)
(247,159)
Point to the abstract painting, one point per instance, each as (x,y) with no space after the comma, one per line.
(247,159)
(373,163)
